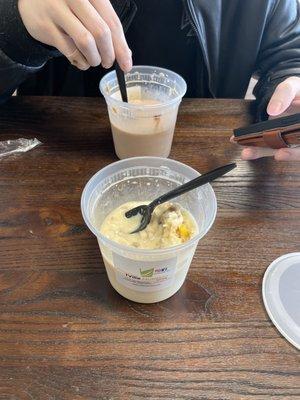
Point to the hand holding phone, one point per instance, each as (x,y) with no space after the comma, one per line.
(276,133)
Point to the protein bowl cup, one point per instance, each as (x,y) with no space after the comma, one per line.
(144,129)
(146,276)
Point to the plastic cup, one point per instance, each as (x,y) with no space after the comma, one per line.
(144,129)
(145,276)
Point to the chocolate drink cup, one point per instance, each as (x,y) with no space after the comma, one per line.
(145,125)
(144,275)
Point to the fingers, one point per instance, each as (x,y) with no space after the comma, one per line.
(97,32)
(288,154)
(88,32)
(82,38)
(67,47)
(283,96)
(252,153)
(97,27)
(121,49)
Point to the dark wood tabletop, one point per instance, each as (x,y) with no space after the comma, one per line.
(66,334)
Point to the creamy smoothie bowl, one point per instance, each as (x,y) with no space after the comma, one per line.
(151,265)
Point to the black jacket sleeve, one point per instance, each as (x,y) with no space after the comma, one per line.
(279,55)
(20,54)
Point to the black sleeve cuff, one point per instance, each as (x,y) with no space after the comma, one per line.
(16,42)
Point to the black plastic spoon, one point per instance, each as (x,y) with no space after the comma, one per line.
(147,210)
(121,82)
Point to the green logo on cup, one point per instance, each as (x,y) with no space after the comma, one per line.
(147,273)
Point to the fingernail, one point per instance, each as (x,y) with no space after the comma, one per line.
(249,154)
(275,107)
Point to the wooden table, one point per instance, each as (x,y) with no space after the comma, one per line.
(66,334)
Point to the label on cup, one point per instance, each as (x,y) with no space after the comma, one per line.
(144,276)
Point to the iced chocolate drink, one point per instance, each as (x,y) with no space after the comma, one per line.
(149,135)
(145,125)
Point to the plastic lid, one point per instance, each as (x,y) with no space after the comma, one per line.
(281,295)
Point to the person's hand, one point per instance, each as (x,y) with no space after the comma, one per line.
(87,32)
(285,101)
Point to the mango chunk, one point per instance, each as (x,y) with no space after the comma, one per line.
(183,232)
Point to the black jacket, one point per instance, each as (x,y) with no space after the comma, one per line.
(238,39)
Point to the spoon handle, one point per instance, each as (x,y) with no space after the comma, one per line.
(121,82)
(193,184)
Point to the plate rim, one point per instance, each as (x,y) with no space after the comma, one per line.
(265,277)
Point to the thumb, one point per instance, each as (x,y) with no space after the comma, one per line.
(283,96)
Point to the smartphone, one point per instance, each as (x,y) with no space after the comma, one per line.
(276,133)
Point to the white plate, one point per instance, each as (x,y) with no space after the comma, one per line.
(281,295)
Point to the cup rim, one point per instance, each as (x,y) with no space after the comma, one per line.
(121,247)
(122,104)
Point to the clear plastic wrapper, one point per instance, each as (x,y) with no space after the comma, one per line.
(10,147)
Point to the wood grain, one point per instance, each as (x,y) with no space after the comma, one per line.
(66,334)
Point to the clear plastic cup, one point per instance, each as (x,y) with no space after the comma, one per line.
(145,276)
(144,129)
